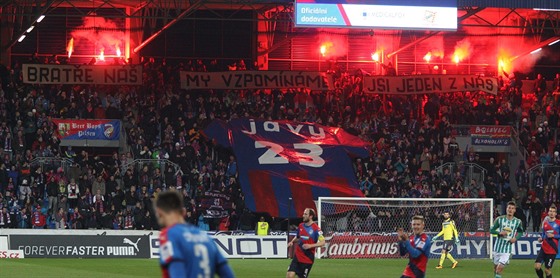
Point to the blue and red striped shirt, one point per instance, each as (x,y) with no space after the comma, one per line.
(418,248)
(307,235)
(550,245)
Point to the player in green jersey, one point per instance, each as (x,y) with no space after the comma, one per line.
(508,230)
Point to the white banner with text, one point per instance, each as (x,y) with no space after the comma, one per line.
(241,80)
(428,84)
(82,74)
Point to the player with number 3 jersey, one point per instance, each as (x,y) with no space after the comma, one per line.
(186,251)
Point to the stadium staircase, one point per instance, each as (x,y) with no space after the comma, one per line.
(517,156)
(469,171)
(52,163)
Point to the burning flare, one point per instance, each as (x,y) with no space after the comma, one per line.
(375,56)
(326,47)
(504,65)
(462,51)
(70,47)
(118,50)
(428,57)
(504,62)
(101,55)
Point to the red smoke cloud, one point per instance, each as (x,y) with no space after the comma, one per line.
(434,46)
(499,51)
(102,33)
(332,46)
(462,51)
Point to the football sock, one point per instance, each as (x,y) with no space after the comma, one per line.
(539,273)
(441,259)
(498,276)
(451,258)
(549,276)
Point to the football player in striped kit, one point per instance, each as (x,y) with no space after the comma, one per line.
(549,247)
(417,246)
(309,237)
(508,230)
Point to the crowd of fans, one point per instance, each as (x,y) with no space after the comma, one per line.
(410,137)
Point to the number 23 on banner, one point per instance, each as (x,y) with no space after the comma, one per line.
(275,154)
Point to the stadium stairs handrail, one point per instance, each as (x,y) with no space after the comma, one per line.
(541,166)
(469,167)
(517,141)
(65,163)
(546,169)
(161,163)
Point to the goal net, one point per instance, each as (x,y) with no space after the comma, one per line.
(366,227)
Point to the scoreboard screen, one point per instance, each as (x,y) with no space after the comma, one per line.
(380,14)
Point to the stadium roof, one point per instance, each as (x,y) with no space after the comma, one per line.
(225,4)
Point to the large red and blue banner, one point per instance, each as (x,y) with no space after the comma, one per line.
(73,129)
(284,165)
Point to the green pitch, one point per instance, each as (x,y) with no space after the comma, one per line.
(107,268)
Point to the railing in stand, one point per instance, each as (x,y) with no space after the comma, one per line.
(51,163)
(152,164)
(547,170)
(469,171)
(517,141)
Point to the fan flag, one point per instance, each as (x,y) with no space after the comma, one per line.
(279,160)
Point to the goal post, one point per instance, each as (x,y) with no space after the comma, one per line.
(366,227)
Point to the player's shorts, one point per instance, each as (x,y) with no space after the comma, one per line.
(301,270)
(501,258)
(448,245)
(546,259)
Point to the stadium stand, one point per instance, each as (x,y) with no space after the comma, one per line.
(411,137)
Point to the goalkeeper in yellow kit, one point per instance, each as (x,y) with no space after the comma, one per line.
(449,232)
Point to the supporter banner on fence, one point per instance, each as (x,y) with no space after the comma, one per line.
(81,246)
(82,74)
(215,204)
(427,84)
(72,129)
(490,135)
(283,165)
(229,80)
(490,141)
